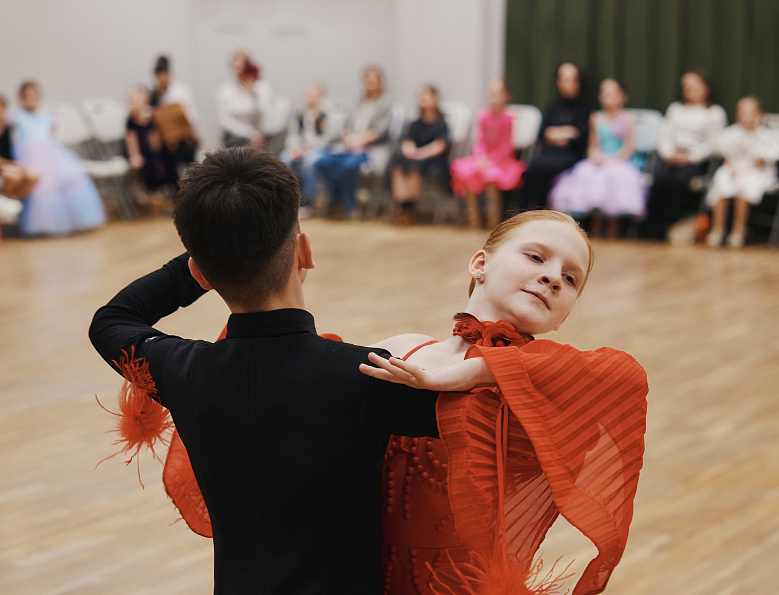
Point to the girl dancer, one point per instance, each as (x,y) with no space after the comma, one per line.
(561,434)
(64,200)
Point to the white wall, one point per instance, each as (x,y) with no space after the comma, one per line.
(92,48)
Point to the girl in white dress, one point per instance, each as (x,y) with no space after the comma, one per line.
(750,150)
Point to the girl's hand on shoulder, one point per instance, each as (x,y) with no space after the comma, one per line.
(460,377)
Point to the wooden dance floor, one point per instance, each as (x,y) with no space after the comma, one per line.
(704,324)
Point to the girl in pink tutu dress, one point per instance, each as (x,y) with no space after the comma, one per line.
(609,181)
(492,167)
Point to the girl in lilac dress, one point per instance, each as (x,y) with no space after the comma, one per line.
(64,200)
(492,167)
(609,180)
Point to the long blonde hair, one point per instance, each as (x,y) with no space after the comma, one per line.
(503,229)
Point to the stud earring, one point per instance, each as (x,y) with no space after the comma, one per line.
(478,276)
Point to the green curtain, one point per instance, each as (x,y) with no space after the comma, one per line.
(647,44)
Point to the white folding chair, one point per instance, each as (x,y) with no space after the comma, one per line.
(275,122)
(376,168)
(72,130)
(527,122)
(459,120)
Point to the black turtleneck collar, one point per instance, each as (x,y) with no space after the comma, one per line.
(274,323)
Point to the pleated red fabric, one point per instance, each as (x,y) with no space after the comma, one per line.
(564,434)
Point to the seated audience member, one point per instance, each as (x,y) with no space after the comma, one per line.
(17,180)
(423,152)
(241,103)
(687,138)
(175,113)
(65,199)
(363,140)
(145,149)
(750,150)
(563,137)
(309,133)
(492,167)
(608,183)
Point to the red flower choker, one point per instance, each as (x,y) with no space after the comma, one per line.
(489,334)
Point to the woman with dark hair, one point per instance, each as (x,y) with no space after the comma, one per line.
(174,108)
(563,137)
(422,153)
(241,104)
(687,139)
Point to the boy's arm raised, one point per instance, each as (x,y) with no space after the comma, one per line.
(126,321)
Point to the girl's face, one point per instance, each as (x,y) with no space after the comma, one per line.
(138,100)
(533,278)
(427,99)
(30,98)
(497,96)
(568,84)
(748,113)
(611,95)
(694,89)
(313,96)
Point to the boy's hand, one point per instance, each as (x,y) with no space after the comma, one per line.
(460,377)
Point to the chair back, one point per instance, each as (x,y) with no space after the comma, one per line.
(647,129)
(70,129)
(276,119)
(458,120)
(397,122)
(527,121)
(106,118)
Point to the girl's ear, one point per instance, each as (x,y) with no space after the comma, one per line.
(478,264)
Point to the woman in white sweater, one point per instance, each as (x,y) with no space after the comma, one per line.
(241,104)
(687,140)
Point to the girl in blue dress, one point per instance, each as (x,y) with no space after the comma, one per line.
(64,200)
(609,180)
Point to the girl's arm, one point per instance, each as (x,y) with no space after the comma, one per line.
(433,149)
(479,148)
(133,149)
(627,143)
(461,377)
(593,145)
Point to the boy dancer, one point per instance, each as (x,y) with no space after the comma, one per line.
(269,415)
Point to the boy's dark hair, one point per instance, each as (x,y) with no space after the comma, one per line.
(237,216)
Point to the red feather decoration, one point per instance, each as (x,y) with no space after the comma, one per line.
(142,420)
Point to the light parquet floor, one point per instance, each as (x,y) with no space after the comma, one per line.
(704,324)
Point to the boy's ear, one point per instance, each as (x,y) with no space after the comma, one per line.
(195,271)
(303,252)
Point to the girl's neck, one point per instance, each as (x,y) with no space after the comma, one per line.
(498,109)
(611,113)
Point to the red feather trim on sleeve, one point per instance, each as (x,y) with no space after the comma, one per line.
(142,421)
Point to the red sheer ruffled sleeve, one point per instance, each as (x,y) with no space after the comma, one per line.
(584,413)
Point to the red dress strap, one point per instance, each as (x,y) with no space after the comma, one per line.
(417,348)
